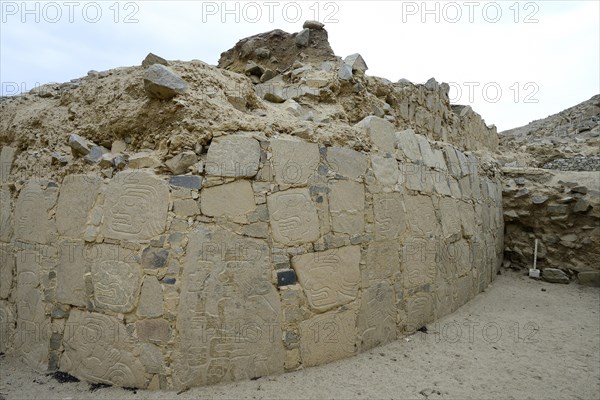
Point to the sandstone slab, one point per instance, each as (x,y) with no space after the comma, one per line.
(293,217)
(294,161)
(408,146)
(98,349)
(233,156)
(555,275)
(421,217)
(152,59)
(162,83)
(32,220)
(347,207)
(116,278)
(380,131)
(32,331)
(347,162)
(151,298)
(330,278)
(376,323)
(75,200)
(385,169)
(7,157)
(229,312)
(7,269)
(383,260)
(135,206)
(419,261)
(6,215)
(181,162)
(230,200)
(419,311)
(70,270)
(328,337)
(390,217)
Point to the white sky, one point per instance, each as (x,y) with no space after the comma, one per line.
(543,56)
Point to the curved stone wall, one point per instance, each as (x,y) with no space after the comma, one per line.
(279,254)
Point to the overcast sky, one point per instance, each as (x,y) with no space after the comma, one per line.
(513,62)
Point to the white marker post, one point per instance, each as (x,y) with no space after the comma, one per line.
(534,272)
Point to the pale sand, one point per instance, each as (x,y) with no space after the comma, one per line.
(555,355)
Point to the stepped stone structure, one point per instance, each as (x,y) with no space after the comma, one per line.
(354,216)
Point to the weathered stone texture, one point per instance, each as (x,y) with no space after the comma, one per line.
(73,263)
(328,337)
(135,206)
(377,316)
(347,162)
(382,260)
(381,133)
(390,218)
(330,278)
(294,161)
(229,312)
(229,200)
(98,349)
(233,156)
(7,269)
(7,157)
(32,332)
(75,201)
(32,222)
(293,217)
(280,254)
(347,207)
(151,298)
(6,215)
(385,169)
(116,278)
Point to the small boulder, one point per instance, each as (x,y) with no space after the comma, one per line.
(118,146)
(555,275)
(303,37)
(262,52)
(119,162)
(345,72)
(582,206)
(268,75)
(539,199)
(181,162)
(95,154)
(253,69)
(58,158)
(432,84)
(106,161)
(313,25)
(238,102)
(579,189)
(143,160)
(162,83)
(79,145)
(152,59)
(357,63)
(293,107)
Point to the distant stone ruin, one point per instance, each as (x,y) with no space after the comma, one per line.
(179,224)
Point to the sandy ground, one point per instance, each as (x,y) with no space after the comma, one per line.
(520,339)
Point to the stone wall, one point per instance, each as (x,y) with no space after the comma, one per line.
(562,210)
(277,255)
